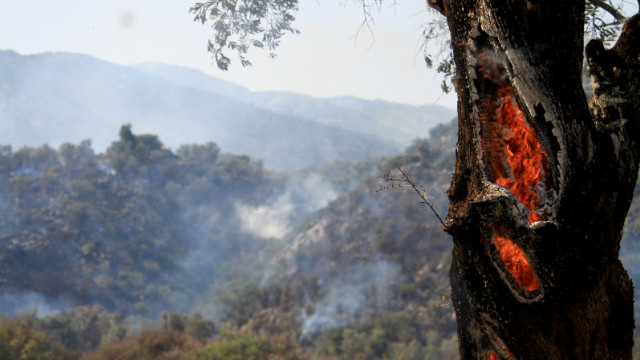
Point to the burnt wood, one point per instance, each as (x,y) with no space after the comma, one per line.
(582,307)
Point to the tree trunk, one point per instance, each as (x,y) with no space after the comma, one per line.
(543,182)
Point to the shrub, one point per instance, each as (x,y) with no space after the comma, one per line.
(147,345)
(231,346)
(18,340)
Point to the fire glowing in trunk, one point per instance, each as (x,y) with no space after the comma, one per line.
(524,155)
(508,136)
(516,263)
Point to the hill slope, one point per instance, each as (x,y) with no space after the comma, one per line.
(141,230)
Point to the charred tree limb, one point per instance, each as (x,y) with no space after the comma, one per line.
(437,5)
(543,182)
(615,110)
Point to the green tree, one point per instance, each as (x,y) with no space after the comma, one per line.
(230,346)
(138,155)
(147,345)
(199,327)
(18,340)
(82,328)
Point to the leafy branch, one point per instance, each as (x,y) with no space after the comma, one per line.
(239,25)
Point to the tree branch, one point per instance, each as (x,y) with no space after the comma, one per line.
(437,5)
(608,8)
(405,178)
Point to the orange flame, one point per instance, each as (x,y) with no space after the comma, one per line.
(523,155)
(493,356)
(519,143)
(515,261)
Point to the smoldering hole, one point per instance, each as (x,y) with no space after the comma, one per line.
(514,266)
(497,349)
(512,154)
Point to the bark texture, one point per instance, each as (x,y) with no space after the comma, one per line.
(567,295)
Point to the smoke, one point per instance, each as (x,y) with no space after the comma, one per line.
(273,219)
(31,303)
(316,192)
(267,221)
(346,298)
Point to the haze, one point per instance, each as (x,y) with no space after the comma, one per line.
(325,60)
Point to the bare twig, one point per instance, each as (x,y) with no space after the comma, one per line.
(405,181)
(368,21)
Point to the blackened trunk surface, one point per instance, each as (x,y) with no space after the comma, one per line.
(543,182)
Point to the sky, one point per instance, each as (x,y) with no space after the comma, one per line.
(326,59)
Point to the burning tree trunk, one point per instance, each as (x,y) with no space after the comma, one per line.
(543,182)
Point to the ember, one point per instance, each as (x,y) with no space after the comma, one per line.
(511,137)
(515,261)
(493,356)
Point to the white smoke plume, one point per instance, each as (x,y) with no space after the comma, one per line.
(346,297)
(274,218)
(32,303)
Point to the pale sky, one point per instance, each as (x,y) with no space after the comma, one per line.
(324,60)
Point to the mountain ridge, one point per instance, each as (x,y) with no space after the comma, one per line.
(374,117)
(78,96)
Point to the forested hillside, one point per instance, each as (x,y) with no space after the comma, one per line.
(116,229)
(144,253)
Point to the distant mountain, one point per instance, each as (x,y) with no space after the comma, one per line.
(397,123)
(60,97)
(196,79)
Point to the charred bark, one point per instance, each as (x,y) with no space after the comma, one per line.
(543,182)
